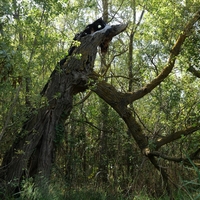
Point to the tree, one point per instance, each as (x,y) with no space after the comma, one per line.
(33,153)
(150,88)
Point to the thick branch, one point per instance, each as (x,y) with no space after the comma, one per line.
(174,136)
(170,64)
(192,156)
(169,158)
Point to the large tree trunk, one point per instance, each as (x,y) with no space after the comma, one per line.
(32,153)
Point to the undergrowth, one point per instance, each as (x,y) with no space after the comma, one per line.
(58,190)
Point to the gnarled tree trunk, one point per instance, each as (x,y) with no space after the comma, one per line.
(33,153)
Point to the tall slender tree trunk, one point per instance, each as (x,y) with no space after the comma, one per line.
(103,135)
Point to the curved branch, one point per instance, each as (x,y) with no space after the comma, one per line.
(174,136)
(170,64)
(192,156)
(165,157)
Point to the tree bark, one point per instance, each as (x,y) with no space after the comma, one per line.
(33,151)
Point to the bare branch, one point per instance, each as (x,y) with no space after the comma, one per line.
(174,136)
(192,156)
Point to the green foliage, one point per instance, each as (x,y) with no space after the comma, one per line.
(60,131)
(33,192)
(190,188)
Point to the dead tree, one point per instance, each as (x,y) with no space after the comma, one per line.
(33,152)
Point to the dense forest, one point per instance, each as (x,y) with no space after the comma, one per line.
(99,99)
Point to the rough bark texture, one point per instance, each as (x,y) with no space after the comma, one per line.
(32,153)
